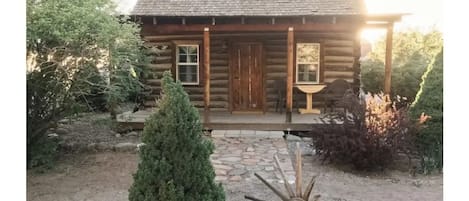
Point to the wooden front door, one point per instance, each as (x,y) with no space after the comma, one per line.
(246,77)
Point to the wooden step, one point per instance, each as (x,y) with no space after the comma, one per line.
(199,104)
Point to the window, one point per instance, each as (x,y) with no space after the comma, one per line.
(187,64)
(307,63)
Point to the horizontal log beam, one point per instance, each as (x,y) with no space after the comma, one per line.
(150,36)
(377,25)
(174,28)
(386,17)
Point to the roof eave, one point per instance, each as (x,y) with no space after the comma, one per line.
(312,15)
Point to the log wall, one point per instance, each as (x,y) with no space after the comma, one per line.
(340,60)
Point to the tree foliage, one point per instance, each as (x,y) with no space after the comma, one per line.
(77,49)
(429,100)
(175,160)
(412,53)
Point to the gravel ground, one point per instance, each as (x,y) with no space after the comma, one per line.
(79,133)
(107,175)
(342,183)
(87,176)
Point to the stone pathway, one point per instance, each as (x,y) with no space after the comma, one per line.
(237,159)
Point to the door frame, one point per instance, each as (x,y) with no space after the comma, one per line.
(232,43)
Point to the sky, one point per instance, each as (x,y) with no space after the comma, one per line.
(424,14)
(125,6)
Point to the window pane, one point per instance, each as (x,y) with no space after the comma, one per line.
(187,73)
(307,72)
(187,54)
(182,58)
(188,78)
(194,77)
(182,50)
(192,49)
(307,52)
(193,58)
(307,77)
(187,69)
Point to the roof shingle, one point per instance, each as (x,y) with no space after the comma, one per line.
(248,7)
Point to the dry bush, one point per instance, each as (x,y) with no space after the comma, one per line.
(368,134)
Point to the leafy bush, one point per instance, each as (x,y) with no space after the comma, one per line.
(369,135)
(175,160)
(430,101)
(412,53)
(47,101)
(372,76)
(405,79)
(67,42)
(45,152)
(94,98)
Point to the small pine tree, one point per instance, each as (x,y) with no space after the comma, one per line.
(429,100)
(175,162)
(168,192)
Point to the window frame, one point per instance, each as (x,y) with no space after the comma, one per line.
(177,63)
(318,71)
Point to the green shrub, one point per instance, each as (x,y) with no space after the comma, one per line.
(405,79)
(168,192)
(429,100)
(372,76)
(175,160)
(412,52)
(47,101)
(369,135)
(66,41)
(93,97)
(45,152)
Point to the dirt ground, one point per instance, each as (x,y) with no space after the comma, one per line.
(107,176)
(101,176)
(92,128)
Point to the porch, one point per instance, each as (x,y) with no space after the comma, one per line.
(245,65)
(219,120)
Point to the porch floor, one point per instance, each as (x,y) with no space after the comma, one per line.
(269,121)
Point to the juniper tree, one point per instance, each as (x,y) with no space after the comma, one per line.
(175,162)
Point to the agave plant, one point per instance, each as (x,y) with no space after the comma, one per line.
(293,195)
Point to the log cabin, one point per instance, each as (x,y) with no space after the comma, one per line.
(240,60)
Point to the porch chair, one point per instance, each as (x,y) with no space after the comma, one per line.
(334,93)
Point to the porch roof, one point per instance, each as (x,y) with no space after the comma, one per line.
(217,8)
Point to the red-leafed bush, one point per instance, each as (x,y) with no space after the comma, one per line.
(368,134)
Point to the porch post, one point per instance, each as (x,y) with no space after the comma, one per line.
(206,75)
(388,59)
(289,90)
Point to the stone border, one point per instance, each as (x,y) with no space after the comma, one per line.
(102,146)
(246,133)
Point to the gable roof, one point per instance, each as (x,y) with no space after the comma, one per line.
(248,7)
